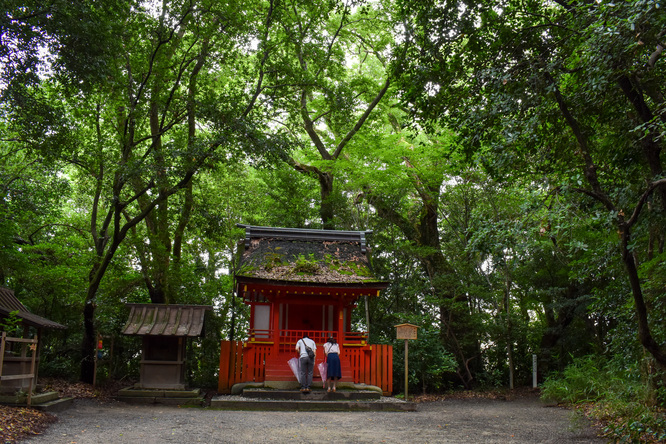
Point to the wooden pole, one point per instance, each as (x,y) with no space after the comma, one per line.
(33,348)
(367,319)
(406,369)
(2,353)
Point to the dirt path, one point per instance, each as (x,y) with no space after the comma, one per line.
(524,420)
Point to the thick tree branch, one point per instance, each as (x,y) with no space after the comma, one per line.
(643,200)
(656,55)
(308,124)
(362,119)
(590,169)
(330,44)
(262,63)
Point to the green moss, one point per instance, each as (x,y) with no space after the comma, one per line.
(306,266)
(272,260)
(246,270)
(348,268)
(362,270)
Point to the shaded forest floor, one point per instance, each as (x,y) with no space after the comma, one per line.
(19,423)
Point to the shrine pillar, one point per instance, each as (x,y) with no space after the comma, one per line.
(341,323)
(275,323)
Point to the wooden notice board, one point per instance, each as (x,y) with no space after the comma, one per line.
(406,331)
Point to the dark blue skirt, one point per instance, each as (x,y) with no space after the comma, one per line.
(334,369)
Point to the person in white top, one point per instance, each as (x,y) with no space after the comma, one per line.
(306,362)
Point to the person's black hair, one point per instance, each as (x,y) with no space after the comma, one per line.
(331,340)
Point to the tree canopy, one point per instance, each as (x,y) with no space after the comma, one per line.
(507,155)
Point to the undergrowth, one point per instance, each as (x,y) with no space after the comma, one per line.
(624,402)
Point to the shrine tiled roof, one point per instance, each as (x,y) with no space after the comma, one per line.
(305,256)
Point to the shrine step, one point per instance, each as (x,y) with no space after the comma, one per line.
(46,401)
(133,395)
(56,405)
(22,398)
(316,394)
(310,405)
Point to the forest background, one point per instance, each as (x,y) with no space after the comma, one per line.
(507,156)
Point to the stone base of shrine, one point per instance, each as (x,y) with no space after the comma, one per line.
(133,395)
(284,396)
(312,404)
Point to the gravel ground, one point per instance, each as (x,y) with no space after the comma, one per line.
(524,420)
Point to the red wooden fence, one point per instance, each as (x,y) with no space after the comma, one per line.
(371,364)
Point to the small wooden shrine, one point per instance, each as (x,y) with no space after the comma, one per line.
(19,353)
(164,329)
(298,282)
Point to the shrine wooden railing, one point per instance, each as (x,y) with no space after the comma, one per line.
(350,338)
(246,362)
(288,338)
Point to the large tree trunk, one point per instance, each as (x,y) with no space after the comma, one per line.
(454,316)
(556,326)
(89,338)
(327,208)
(644,333)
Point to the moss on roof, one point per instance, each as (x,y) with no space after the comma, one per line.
(304,261)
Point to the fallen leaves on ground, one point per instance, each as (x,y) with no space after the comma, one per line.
(17,423)
(499,394)
(80,390)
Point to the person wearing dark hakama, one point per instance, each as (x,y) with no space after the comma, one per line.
(334,370)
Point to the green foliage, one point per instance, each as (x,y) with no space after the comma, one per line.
(632,422)
(622,399)
(582,381)
(11,324)
(203,354)
(492,378)
(430,365)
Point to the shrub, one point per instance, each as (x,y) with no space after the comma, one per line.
(618,394)
(581,381)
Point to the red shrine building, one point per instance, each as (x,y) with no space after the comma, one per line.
(303,282)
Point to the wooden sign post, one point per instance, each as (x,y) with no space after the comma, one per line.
(406,332)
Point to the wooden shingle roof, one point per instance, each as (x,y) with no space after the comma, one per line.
(9,303)
(165,320)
